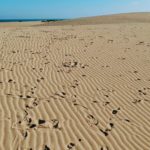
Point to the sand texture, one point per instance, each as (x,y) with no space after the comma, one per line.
(75,87)
(107,19)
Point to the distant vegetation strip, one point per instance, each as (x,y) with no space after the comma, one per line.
(29,20)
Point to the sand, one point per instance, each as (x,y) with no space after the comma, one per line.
(81,87)
(143,17)
(19,24)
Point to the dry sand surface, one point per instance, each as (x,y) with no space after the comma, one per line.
(19,24)
(75,87)
(107,19)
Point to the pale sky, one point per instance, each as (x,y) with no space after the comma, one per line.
(15,9)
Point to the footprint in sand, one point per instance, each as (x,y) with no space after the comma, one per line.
(107,129)
(104,148)
(46,148)
(70,145)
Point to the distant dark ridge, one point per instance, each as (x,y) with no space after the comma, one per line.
(29,20)
(52,20)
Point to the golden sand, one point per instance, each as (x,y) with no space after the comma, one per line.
(75,87)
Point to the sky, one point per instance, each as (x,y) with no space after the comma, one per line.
(46,9)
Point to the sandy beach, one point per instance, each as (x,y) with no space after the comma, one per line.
(69,86)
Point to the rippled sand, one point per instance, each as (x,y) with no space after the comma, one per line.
(75,87)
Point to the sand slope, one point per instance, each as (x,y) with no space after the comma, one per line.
(107,19)
(79,88)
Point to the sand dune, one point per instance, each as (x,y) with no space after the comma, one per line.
(107,19)
(75,87)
